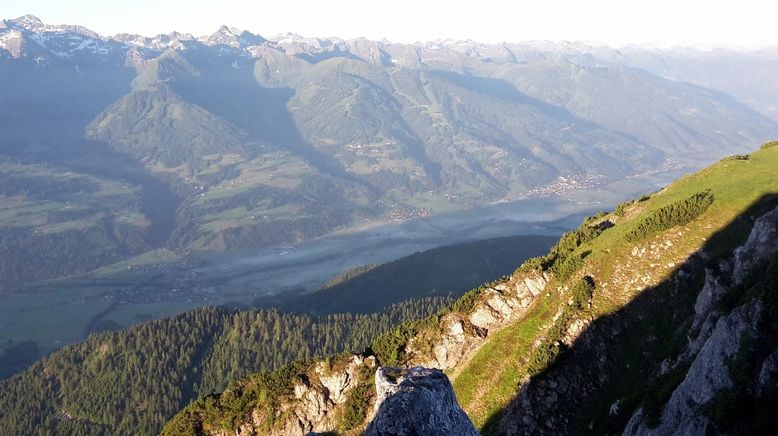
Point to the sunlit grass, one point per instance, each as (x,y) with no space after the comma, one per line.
(491,378)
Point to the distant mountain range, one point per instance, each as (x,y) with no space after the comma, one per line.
(111,146)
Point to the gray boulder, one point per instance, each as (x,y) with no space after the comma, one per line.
(417,401)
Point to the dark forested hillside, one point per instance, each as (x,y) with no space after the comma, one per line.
(133,381)
(441,271)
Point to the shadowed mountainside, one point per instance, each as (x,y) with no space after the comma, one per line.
(438,272)
(636,357)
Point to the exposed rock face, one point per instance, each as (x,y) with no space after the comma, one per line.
(761,243)
(499,306)
(716,336)
(418,401)
(707,376)
(315,401)
(719,338)
(768,376)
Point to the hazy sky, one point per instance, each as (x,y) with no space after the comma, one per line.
(616,22)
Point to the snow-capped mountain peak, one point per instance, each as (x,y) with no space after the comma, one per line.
(28,37)
(11,41)
(29,22)
(233,37)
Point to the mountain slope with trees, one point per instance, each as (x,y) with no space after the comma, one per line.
(132,381)
(658,316)
(166,363)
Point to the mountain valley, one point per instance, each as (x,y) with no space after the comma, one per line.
(248,131)
(176,159)
(236,234)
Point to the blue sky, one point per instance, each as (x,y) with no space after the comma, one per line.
(616,22)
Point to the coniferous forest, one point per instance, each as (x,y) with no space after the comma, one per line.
(133,381)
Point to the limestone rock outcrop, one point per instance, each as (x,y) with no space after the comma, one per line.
(317,398)
(720,336)
(707,376)
(499,305)
(417,401)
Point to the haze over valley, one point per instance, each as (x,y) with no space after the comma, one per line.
(144,175)
(384,219)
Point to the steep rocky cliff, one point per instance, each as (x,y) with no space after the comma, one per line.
(712,356)
(724,335)
(320,394)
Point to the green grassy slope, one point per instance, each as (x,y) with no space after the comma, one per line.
(489,380)
(55,221)
(614,271)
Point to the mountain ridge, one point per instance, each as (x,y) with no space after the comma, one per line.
(524,350)
(232,34)
(223,344)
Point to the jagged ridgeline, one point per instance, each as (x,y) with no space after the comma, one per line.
(611,330)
